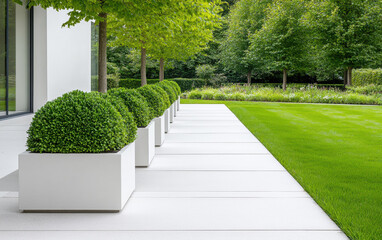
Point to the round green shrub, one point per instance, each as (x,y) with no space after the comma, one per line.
(169,90)
(154,99)
(77,122)
(136,104)
(176,87)
(130,124)
(195,94)
(163,94)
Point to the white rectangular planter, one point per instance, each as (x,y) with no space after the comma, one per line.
(76,182)
(167,120)
(172,110)
(145,145)
(159,130)
(178,104)
(175,108)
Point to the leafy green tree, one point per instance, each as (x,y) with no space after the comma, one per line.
(245,19)
(281,42)
(348,33)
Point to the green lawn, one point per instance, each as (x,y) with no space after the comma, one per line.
(333,151)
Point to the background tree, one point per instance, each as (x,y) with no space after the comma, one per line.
(281,42)
(246,17)
(348,33)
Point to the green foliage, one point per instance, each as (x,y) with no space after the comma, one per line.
(281,42)
(169,90)
(363,77)
(163,95)
(175,86)
(184,83)
(294,93)
(136,104)
(367,90)
(77,122)
(129,122)
(205,72)
(112,82)
(154,100)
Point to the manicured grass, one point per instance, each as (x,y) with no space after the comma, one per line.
(333,151)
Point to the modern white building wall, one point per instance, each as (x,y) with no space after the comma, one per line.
(62,56)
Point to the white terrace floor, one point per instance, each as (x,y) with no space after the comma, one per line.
(211,180)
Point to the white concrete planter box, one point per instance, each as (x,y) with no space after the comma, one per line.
(76,182)
(167,120)
(178,104)
(145,145)
(159,130)
(172,113)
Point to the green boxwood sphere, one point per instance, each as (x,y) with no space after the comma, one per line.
(130,124)
(176,87)
(136,104)
(163,94)
(77,122)
(154,99)
(169,90)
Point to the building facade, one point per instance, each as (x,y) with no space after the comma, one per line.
(39,59)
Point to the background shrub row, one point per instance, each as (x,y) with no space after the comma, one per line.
(362,77)
(185,84)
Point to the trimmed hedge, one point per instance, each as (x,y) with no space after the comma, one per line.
(185,84)
(365,76)
(136,104)
(130,124)
(154,99)
(172,95)
(77,122)
(163,94)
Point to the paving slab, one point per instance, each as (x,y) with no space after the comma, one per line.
(298,194)
(211,148)
(180,214)
(214,181)
(212,138)
(209,129)
(173,235)
(194,123)
(216,162)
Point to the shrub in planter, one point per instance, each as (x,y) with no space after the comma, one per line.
(176,87)
(77,122)
(154,99)
(163,94)
(136,104)
(127,116)
(169,90)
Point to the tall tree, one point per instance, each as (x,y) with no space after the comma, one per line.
(246,17)
(281,42)
(349,33)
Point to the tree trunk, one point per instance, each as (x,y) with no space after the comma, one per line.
(349,78)
(345,77)
(102,58)
(249,75)
(143,66)
(285,76)
(161,69)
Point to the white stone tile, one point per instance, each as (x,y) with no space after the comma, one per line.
(212,138)
(188,214)
(215,162)
(173,235)
(214,181)
(211,148)
(220,195)
(206,118)
(195,123)
(209,129)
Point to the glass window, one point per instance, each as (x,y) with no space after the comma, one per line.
(94,60)
(14,58)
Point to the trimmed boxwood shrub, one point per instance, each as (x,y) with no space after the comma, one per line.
(169,90)
(176,87)
(163,94)
(136,104)
(365,76)
(77,122)
(154,99)
(130,124)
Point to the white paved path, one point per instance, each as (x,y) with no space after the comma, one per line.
(212,179)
